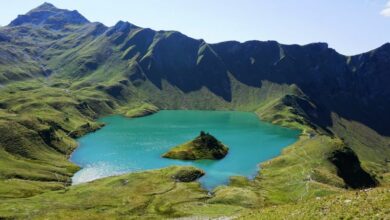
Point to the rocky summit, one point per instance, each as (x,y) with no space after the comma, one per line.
(50,16)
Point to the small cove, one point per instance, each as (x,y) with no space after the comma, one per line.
(131,145)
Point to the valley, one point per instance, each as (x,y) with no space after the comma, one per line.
(60,74)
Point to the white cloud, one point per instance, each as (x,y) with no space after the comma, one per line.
(386,11)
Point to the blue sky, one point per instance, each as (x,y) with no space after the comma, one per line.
(349,26)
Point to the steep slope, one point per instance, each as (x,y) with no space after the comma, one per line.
(32,39)
(351,87)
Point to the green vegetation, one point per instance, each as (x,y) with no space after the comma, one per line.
(151,194)
(362,204)
(143,109)
(56,79)
(301,173)
(205,146)
(38,124)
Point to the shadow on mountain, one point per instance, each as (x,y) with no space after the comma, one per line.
(349,169)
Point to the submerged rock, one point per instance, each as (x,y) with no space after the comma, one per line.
(205,146)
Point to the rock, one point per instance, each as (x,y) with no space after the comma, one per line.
(188,175)
(347,201)
(205,146)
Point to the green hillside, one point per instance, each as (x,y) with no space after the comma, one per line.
(59,73)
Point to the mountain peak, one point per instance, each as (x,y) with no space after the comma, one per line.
(45,6)
(50,16)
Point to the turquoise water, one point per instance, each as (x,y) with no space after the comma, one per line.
(128,145)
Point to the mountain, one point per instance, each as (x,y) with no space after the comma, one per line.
(348,86)
(59,73)
(50,16)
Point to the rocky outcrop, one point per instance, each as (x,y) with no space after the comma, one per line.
(205,146)
(189,174)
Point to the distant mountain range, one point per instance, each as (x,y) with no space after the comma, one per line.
(48,41)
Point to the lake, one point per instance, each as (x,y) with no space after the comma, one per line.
(130,145)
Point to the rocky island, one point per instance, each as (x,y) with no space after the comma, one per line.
(205,146)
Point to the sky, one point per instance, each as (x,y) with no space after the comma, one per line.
(349,26)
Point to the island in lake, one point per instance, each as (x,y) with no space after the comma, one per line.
(205,146)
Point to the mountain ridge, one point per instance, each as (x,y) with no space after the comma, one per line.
(142,54)
(47,6)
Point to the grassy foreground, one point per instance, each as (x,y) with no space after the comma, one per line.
(153,194)
(361,204)
(158,194)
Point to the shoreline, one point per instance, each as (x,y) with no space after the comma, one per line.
(251,177)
